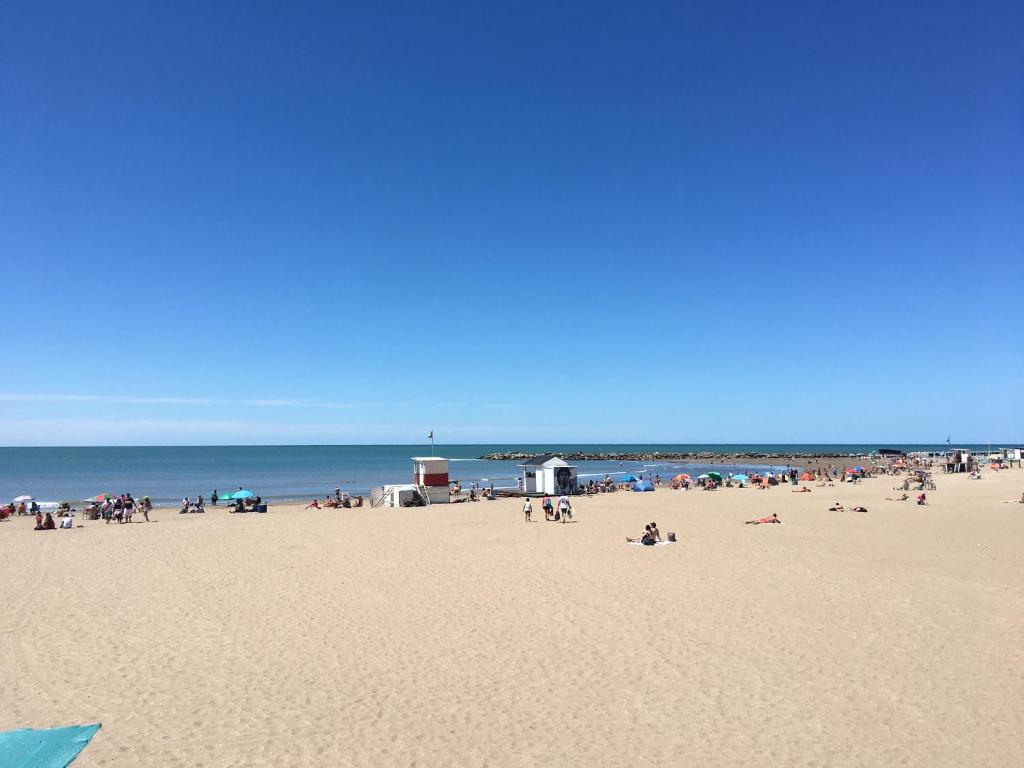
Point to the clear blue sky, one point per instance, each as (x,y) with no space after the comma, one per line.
(580,221)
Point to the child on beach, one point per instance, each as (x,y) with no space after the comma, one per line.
(548,508)
(527,510)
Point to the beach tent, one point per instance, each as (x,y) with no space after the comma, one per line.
(644,485)
(45,747)
(629,479)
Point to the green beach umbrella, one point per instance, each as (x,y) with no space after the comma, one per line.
(715,476)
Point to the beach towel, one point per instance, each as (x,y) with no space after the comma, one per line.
(655,544)
(44,748)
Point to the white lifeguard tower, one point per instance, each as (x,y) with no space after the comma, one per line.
(430,475)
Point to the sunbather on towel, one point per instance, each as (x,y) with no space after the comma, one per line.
(904,497)
(773,518)
(647,538)
(802,490)
(837,508)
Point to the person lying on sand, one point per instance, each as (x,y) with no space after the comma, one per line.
(802,490)
(314,504)
(773,518)
(858,509)
(837,508)
(1016,501)
(904,497)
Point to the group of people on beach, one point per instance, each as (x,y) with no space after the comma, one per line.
(120,509)
(563,513)
(340,499)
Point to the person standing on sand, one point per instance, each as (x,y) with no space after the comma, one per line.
(214,497)
(528,509)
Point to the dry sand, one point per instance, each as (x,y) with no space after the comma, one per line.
(461,636)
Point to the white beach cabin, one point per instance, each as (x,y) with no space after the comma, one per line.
(548,473)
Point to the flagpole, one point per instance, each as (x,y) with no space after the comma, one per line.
(431,442)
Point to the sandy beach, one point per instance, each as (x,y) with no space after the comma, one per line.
(460,635)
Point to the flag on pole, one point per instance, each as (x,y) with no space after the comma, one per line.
(431,435)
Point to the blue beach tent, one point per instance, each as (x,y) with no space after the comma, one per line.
(629,479)
(45,747)
(644,485)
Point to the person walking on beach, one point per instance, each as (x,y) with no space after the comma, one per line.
(214,497)
(564,507)
(528,509)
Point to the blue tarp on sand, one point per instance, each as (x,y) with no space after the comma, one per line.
(44,748)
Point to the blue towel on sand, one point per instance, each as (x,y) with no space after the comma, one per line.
(44,748)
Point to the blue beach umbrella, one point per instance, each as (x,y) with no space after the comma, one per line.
(629,479)
(240,495)
(741,478)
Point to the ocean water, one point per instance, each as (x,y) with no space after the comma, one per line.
(279,473)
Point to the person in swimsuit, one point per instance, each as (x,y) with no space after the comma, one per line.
(837,508)
(647,538)
(655,532)
(904,497)
(802,490)
(774,518)
(527,509)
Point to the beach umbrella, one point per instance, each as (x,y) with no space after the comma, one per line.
(21,499)
(806,476)
(740,478)
(715,476)
(681,477)
(241,495)
(858,469)
(629,479)
(100,497)
(703,477)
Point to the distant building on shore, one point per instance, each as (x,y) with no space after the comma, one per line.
(548,473)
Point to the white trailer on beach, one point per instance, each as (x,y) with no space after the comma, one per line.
(405,495)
